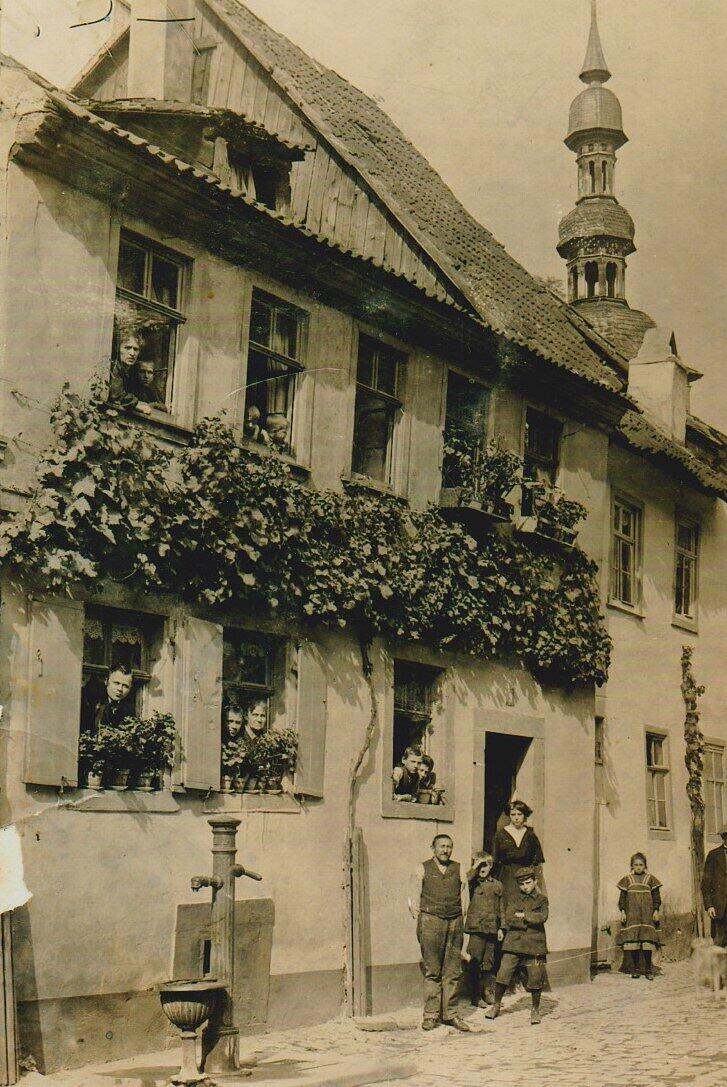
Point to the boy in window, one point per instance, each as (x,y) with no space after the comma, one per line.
(146,386)
(277,430)
(406,775)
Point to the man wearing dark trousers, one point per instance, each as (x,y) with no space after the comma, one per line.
(435,902)
(714,889)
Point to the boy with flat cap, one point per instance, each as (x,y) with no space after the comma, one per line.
(526,912)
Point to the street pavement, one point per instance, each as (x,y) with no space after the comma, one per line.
(610,1032)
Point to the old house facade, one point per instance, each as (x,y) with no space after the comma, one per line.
(287,257)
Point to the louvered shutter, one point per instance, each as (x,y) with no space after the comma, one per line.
(201,707)
(311,722)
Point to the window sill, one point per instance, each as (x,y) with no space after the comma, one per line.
(162,424)
(684,623)
(637,612)
(259,450)
(262,802)
(661,835)
(131,801)
(356,482)
(431,813)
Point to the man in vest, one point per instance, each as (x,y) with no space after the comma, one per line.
(435,902)
(714,889)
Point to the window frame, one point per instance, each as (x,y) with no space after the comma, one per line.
(295,366)
(680,618)
(142,677)
(441,746)
(178,317)
(487,430)
(393,404)
(635,607)
(713,747)
(551,463)
(658,771)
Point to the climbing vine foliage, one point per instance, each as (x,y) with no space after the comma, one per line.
(218,524)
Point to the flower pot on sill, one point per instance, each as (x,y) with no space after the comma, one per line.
(425,796)
(120,780)
(226,782)
(147,781)
(94,781)
(486,511)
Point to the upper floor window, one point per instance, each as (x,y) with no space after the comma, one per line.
(273,363)
(657,781)
(148,317)
(465,424)
(252,701)
(714,783)
(626,554)
(685,569)
(379,379)
(541,459)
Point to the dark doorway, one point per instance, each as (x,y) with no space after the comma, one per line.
(504,755)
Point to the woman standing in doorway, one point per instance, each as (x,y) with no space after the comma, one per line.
(516,845)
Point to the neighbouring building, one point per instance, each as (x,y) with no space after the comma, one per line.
(286,255)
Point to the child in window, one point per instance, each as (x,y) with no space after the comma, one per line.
(146,386)
(277,432)
(122,375)
(427,776)
(253,430)
(639,901)
(406,775)
(483,921)
(526,912)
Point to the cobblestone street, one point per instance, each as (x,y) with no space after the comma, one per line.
(613,1031)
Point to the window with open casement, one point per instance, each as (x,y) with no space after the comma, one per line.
(379,381)
(274,360)
(465,426)
(626,554)
(685,569)
(150,284)
(114,638)
(415,692)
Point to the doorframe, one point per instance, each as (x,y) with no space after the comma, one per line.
(509,724)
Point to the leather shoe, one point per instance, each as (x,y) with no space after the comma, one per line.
(493,1012)
(430,1024)
(457,1023)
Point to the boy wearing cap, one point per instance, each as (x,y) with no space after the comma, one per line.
(526,912)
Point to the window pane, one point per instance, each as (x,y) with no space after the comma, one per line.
(93,641)
(165,282)
(127,645)
(685,537)
(542,442)
(467,408)
(245,660)
(131,267)
(661,814)
(260,323)
(372,435)
(387,371)
(366,352)
(652,812)
(286,334)
(660,787)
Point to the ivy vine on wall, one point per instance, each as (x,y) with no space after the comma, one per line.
(219,524)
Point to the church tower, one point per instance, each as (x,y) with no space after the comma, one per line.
(598,234)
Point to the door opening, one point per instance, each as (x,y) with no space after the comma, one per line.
(504,756)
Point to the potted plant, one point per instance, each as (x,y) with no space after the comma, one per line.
(117,748)
(555,515)
(154,741)
(92,760)
(233,758)
(271,755)
(486,475)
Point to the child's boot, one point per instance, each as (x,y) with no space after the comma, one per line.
(488,988)
(648,971)
(535,1010)
(494,1011)
(475,980)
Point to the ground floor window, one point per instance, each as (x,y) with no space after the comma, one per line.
(657,781)
(252,699)
(414,773)
(714,782)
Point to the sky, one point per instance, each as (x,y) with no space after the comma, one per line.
(483,87)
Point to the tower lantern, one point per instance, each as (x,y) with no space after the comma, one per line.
(598,234)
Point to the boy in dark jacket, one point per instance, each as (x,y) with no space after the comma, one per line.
(526,912)
(483,923)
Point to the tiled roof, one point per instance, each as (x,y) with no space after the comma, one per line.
(593,217)
(617,322)
(643,435)
(507,298)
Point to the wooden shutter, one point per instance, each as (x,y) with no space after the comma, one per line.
(311,721)
(201,711)
(54,692)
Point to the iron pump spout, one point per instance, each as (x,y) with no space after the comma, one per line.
(220,1040)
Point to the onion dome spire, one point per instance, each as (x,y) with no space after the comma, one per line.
(595,69)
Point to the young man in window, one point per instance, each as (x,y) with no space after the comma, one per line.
(110,704)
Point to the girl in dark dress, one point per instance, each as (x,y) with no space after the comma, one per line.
(516,846)
(639,901)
